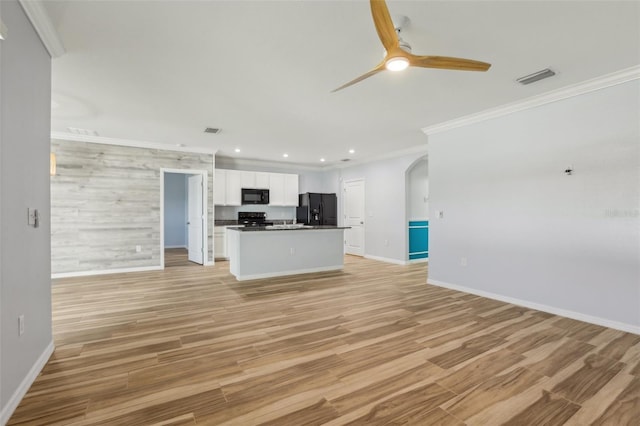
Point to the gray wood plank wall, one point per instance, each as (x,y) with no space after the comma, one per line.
(105,200)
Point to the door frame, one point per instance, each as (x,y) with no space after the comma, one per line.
(364,213)
(205,210)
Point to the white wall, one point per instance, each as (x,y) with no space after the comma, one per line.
(25,283)
(175,210)
(385,203)
(529,231)
(418,191)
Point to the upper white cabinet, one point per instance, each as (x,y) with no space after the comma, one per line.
(248,179)
(290,190)
(228,184)
(220,188)
(262,180)
(276,189)
(234,188)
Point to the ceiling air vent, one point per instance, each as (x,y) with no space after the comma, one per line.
(536,76)
(211,130)
(346,159)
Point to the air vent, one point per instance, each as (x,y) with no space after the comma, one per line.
(211,130)
(346,159)
(536,76)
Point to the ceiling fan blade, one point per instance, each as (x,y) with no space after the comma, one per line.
(445,62)
(384,25)
(376,70)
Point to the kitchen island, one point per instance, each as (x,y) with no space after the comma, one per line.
(273,251)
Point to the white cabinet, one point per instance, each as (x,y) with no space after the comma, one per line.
(220,188)
(262,180)
(290,190)
(276,189)
(221,241)
(247,179)
(234,188)
(228,184)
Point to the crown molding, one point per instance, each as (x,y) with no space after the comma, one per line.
(40,20)
(128,142)
(223,161)
(608,80)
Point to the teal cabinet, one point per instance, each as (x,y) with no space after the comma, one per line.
(418,239)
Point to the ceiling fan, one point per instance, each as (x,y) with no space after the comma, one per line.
(398,56)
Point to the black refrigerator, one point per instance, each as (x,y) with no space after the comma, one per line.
(317,209)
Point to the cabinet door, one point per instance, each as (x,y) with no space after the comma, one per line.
(234,188)
(276,189)
(220,188)
(219,242)
(290,190)
(247,179)
(262,180)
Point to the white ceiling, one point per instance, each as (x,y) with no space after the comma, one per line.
(262,71)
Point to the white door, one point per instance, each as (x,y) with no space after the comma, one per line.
(353,201)
(195,220)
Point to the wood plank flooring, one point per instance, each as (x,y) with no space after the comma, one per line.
(373,344)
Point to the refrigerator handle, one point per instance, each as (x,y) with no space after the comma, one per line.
(321,213)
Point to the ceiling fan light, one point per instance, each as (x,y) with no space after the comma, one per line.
(397,64)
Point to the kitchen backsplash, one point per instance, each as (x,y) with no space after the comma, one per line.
(273,213)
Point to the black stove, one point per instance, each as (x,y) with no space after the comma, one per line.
(253,219)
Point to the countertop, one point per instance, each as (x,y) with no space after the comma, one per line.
(305,228)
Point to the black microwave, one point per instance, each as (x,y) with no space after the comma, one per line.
(255,196)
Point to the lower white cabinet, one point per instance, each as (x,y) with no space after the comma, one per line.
(221,241)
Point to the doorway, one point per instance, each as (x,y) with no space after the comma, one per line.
(353,191)
(183,218)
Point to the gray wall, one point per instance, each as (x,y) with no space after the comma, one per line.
(175,210)
(385,203)
(105,200)
(528,230)
(25,276)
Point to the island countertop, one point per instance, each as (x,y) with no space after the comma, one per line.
(285,228)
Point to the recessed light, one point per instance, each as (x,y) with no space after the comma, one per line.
(237,150)
(285,155)
(322,160)
(352,151)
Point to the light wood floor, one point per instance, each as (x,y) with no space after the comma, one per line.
(371,345)
(177,257)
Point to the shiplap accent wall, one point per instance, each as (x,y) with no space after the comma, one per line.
(105,200)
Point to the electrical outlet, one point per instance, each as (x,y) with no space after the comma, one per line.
(386,242)
(463,261)
(20,325)
(138,249)
(440,214)
(292,251)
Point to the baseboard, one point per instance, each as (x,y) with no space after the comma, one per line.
(171,247)
(104,272)
(630,328)
(386,259)
(17,396)
(422,260)
(293,272)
